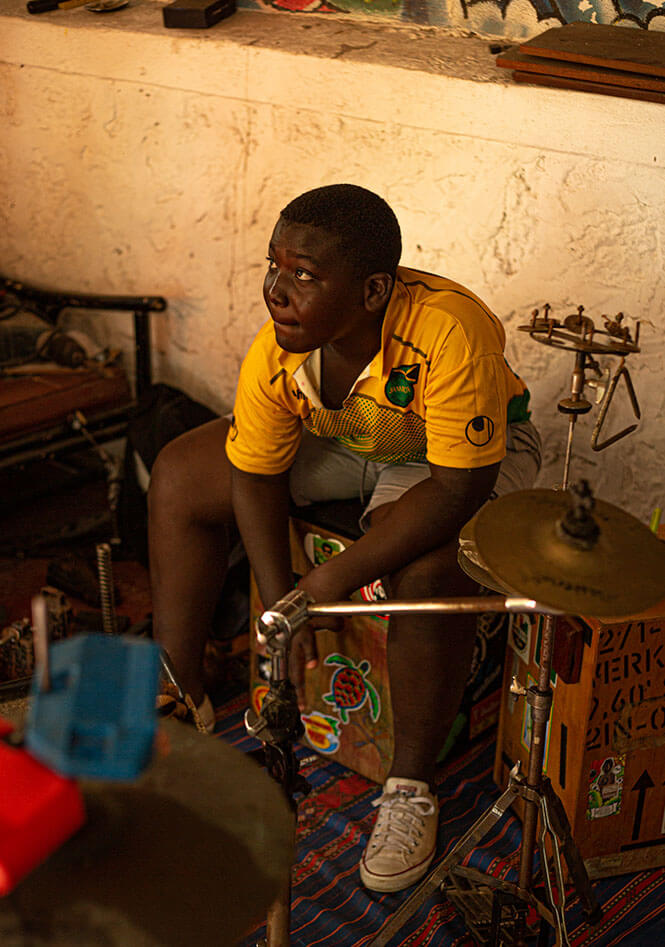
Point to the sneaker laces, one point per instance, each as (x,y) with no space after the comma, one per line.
(400,821)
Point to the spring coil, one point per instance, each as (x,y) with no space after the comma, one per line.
(106,588)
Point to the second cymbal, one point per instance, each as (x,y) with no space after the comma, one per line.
(520,541)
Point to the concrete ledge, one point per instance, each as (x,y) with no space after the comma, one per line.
(417,77)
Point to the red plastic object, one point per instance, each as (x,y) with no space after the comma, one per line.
(39,810)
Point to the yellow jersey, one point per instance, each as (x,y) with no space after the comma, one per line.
(438,390)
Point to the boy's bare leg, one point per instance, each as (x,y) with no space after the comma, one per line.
(190,531)
(429,659)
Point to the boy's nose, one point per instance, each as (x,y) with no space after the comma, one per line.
(275,288)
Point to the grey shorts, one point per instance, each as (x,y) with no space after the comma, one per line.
(324,470)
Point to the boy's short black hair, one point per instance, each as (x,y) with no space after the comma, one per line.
(367,227)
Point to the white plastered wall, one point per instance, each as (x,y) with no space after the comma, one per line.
(139,160)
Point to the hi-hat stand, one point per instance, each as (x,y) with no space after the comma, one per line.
(495,911)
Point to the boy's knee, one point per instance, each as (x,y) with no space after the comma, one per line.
(168,474)
(435,575)
(191,477)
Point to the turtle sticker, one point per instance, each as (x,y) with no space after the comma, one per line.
(350,688)
(399,387)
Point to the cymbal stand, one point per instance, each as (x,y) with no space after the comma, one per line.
(467,889)
(278,726)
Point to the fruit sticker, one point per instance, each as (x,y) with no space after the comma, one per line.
(322,731)
(350,688)
(605,787)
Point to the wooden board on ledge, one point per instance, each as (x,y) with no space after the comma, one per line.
(600,88)
(597,44)
(514,58)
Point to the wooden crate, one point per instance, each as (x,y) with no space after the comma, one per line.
(356,730)
(605,745)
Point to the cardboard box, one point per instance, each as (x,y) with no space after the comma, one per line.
(605,744)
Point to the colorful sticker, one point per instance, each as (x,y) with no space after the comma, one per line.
(320,549)
(484,714)
(527,724)
(322,732)
(350,688)
(258,696)
(373,592)
(605,787)
(519,636)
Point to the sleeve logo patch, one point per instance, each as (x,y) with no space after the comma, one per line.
(480,430)
(234,428)
(399,387)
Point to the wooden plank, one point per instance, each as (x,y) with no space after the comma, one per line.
(614,47)
(514,59)
(600,88)
(29,404)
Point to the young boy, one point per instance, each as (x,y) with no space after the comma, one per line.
(370,380)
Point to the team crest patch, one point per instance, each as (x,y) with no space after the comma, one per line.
(480,430)
(399,387)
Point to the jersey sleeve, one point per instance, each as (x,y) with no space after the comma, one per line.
(265,433)
(466,406)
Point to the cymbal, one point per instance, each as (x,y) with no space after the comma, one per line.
(621,574)
(195,851)
(470,562)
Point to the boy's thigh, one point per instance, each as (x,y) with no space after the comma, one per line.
(325,470)
(518,470)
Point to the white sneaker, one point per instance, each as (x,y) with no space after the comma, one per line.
(403,840)
(206,713)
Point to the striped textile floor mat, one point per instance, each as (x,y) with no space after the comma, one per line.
(330,908)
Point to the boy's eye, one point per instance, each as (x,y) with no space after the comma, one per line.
(303,274)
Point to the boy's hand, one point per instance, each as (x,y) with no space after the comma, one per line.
(303,654)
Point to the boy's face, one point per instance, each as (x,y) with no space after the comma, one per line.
(312,293)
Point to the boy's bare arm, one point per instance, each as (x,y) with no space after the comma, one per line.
(426,517)
(261,508)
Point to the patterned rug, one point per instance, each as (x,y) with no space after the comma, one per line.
(330,908)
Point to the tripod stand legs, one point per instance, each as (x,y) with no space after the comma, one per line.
(539,800)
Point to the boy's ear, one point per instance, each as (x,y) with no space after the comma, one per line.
(378,288)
